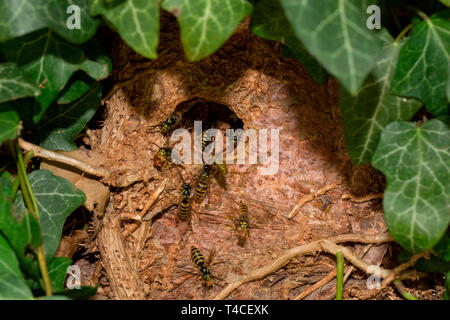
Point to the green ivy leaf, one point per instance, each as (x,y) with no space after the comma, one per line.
(420,72)
(416,162)
(137,22)
(77,86)
(56,198)
(15,84)
(445,2)
(270,22)
(19,17)
(62,122)
(50,61)
(8,260)
(206,24)
(20,227)
(374,107)
(57,270)
(335,33)
(9,122)
(14,288)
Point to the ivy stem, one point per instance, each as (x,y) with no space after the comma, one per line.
(30,202)
(402,34)
(339,275)
(401,288)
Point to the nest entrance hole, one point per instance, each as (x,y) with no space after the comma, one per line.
(212,115)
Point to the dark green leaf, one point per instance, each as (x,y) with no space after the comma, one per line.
(15,84)
(13,288)
(56,198)
(373,108)
(19,227)
(9,122)
(57,270)
(335,33)
(62,122)
(269,22)
(206,24)
(420,71)
(416,163)
(137,22)
(8,260)
(50,61)
(77,86)
(19,17)
(445,2)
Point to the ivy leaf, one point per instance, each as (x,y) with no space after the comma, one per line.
(416,163)
(56,198)
(62,122)
(50,61)
(335,33)
(14,288)
(20,227)
(9,122)
(8,260)
(57,270)
(445,2)
(137,22)
(15,84)
(77,86)
(374,107)
(270,22)
(19,17)
(442,249)
(206,24)
(420,72)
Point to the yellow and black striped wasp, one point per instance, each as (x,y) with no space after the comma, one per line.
(242,224)
(167,126)
(162,159)
(199,260)
(202,184)
(184,206)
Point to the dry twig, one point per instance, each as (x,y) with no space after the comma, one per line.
(327,245)
(312,196)
(366,198)
(80,165)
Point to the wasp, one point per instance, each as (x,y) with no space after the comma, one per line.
(219,171)
(184,206)
(168,125)
(236,124)
(199,261)
(205,140)
(202,185)
(162,159)
(242,224)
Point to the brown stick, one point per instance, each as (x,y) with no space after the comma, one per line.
(327,245)
(77,164)
(317,285)
(369,197)
(312,196)
(53,156)
(153,198)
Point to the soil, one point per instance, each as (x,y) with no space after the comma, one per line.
(151,258)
